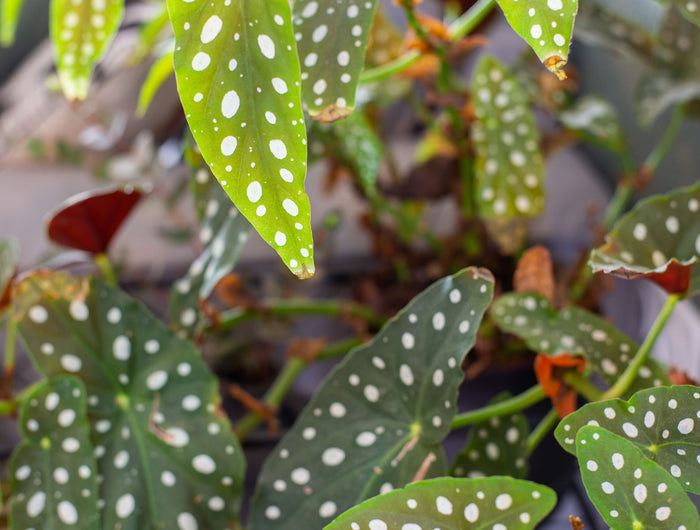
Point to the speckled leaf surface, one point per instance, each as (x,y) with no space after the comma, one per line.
(224,233)
(239,81)
(595,120)
(658,240)
(546,26)
(454,504)
(52,472)
(331,39)
(509,166)
(81,33)
(660,421)
(628,489)
(495,447)
(574,331)
(377,421)
(168,457)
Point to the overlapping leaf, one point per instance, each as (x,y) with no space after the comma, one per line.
(81,33)
(8,267)
(509,166)
(52,472)
(574,331)
(495,447)
(377,421)
(239,81)
(689,8)
(331,41)
(658,240)
(629,490)
(661,422)
(595,120)
(168,459)
(454,504)
(546,26)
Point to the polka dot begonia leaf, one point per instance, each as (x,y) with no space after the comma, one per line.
(509,166)
(52,472)
(377,421)
(658,240)
(495,447)
(8,267)
(81,33)
(495,503)
(661,422)
(224,233)
(167,456)
(574,331)
(595,120)
(629,490)
(238,76)
(547,26)
(10,11)
(331,39)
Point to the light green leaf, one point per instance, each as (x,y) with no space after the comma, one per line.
(377,421)
(239,81)
(161,70)
(52,472)
(574,331)
(596,121)
(81,33)
(629,490)
(454,504)
(661,422)
(331,41)
(168,457)
(509,166)
(10,11)
(658,240)
(495,447)
(546,26)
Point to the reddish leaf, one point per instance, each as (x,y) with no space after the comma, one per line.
(549,371)
(88,221)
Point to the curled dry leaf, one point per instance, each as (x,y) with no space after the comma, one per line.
(534,273)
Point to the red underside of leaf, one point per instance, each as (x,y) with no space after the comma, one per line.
(549,371)
(675,279)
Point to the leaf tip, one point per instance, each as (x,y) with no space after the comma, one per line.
(305,271)
(555,64)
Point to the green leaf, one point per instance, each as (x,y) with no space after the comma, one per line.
(377,421)
(495,447)
(52,472)
(629,490)
(10,11)
(596,121)
(161,70)
(8,268)
(224,233)
(689,8)
(167,456)
(331,42)
(454,504)
(509,166)
(547,28)
(658,240)
(661,422)
(81,33)
(574,331)
(239,80)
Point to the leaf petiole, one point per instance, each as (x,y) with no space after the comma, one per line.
(522,401)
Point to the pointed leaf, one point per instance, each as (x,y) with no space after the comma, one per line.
(661,422)
(658,240)
(331,41)
(454,504)
(596,121)
(168,458)
(81,33)
(509,166)
(629,490)
(546,27)
(239,81)
(574,331)
(377,421)
(160,71)
(495,447)
(88,221)
(8,268)
(52,472)
(10,11)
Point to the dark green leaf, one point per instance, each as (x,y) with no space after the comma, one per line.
(595,120)
(453,504)
(629,490)
(661,422)
(52,472)
(377,421)
(167,456)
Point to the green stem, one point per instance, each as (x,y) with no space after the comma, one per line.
(10,349)
(469,20)
(640,358)
(541,430)
(395,66)
(618,204)
(503,408)
(338,349)
(7,407)
(582,385)
(653,161)
(106,269)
